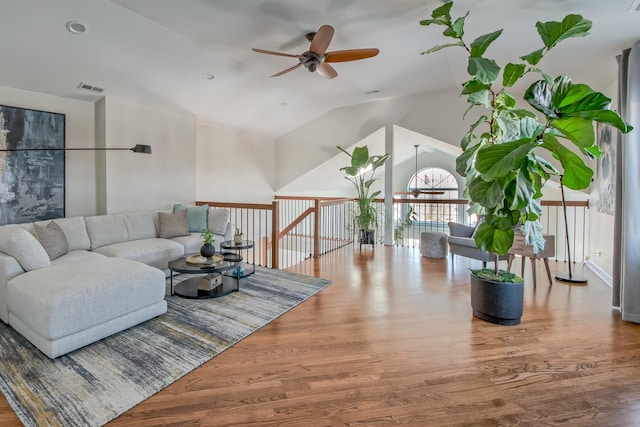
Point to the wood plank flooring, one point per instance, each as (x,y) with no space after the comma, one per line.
(393,342)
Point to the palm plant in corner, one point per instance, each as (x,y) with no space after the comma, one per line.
(500,160)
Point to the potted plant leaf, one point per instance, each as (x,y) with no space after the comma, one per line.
(501,153)
(361,173)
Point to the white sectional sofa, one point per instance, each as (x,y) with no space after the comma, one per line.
(68,284)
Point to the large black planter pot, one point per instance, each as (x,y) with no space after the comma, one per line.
(495,302)
(367,237)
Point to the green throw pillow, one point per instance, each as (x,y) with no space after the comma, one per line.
(196,216)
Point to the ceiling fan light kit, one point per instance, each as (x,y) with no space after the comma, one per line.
(317,58)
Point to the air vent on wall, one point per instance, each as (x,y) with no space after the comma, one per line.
(92,88)
(635,6)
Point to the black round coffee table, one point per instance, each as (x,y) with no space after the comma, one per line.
(214,282)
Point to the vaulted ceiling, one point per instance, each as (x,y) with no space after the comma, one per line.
(157,51)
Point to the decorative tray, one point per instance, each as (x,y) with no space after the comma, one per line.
(200,260)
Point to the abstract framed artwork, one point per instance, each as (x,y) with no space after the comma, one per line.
(605,170)
(31,182)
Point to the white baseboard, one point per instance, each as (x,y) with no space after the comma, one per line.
(606,277)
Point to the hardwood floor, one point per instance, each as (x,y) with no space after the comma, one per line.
(392,342)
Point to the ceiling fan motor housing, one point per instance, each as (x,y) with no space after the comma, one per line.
(311,60)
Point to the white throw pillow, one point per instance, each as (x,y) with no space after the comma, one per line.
(24,247)
(218,220)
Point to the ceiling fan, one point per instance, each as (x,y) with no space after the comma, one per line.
(317,58)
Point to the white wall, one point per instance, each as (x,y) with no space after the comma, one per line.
(437,114)
(80,171)
(234,165)
(190,161)
(136,181)
(601,238)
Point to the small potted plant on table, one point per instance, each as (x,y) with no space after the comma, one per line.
(207,249)
(237,236)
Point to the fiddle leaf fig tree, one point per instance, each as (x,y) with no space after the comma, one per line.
(500,152)
(361,174)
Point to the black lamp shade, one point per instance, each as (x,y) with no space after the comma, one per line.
(139,148)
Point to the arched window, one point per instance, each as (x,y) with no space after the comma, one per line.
(433,183)
(435,180)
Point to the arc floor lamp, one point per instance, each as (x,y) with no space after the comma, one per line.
(563,277)
(138,148)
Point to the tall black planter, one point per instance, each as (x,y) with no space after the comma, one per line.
(495,302)
(367,237)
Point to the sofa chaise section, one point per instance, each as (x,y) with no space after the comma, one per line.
(83,302)
(89,277)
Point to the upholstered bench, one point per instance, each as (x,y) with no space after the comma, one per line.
(433,244)
(71,304)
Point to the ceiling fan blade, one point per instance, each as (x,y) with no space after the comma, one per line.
(350,55)
(287,70)
(321,40)
(327,71)
(270,52)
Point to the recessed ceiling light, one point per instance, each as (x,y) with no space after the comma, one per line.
(208,76)
(75,27)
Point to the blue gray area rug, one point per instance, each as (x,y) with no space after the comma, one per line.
(95,384)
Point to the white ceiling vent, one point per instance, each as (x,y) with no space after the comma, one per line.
(92,88)
(635,6)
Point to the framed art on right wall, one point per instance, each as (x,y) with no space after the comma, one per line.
(605,170)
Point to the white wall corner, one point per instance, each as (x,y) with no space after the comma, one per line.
(606,277)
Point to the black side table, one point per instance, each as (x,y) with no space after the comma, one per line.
(245,244)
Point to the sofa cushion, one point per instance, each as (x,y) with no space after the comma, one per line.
(461,230)
(75,230)
(197,216)
(193,242)
(106,230)
(77,256)
(154,252)
(462,241)
(65,298)
(140,225)
(52,239)
(24,247)
(218,220)
(172,225)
